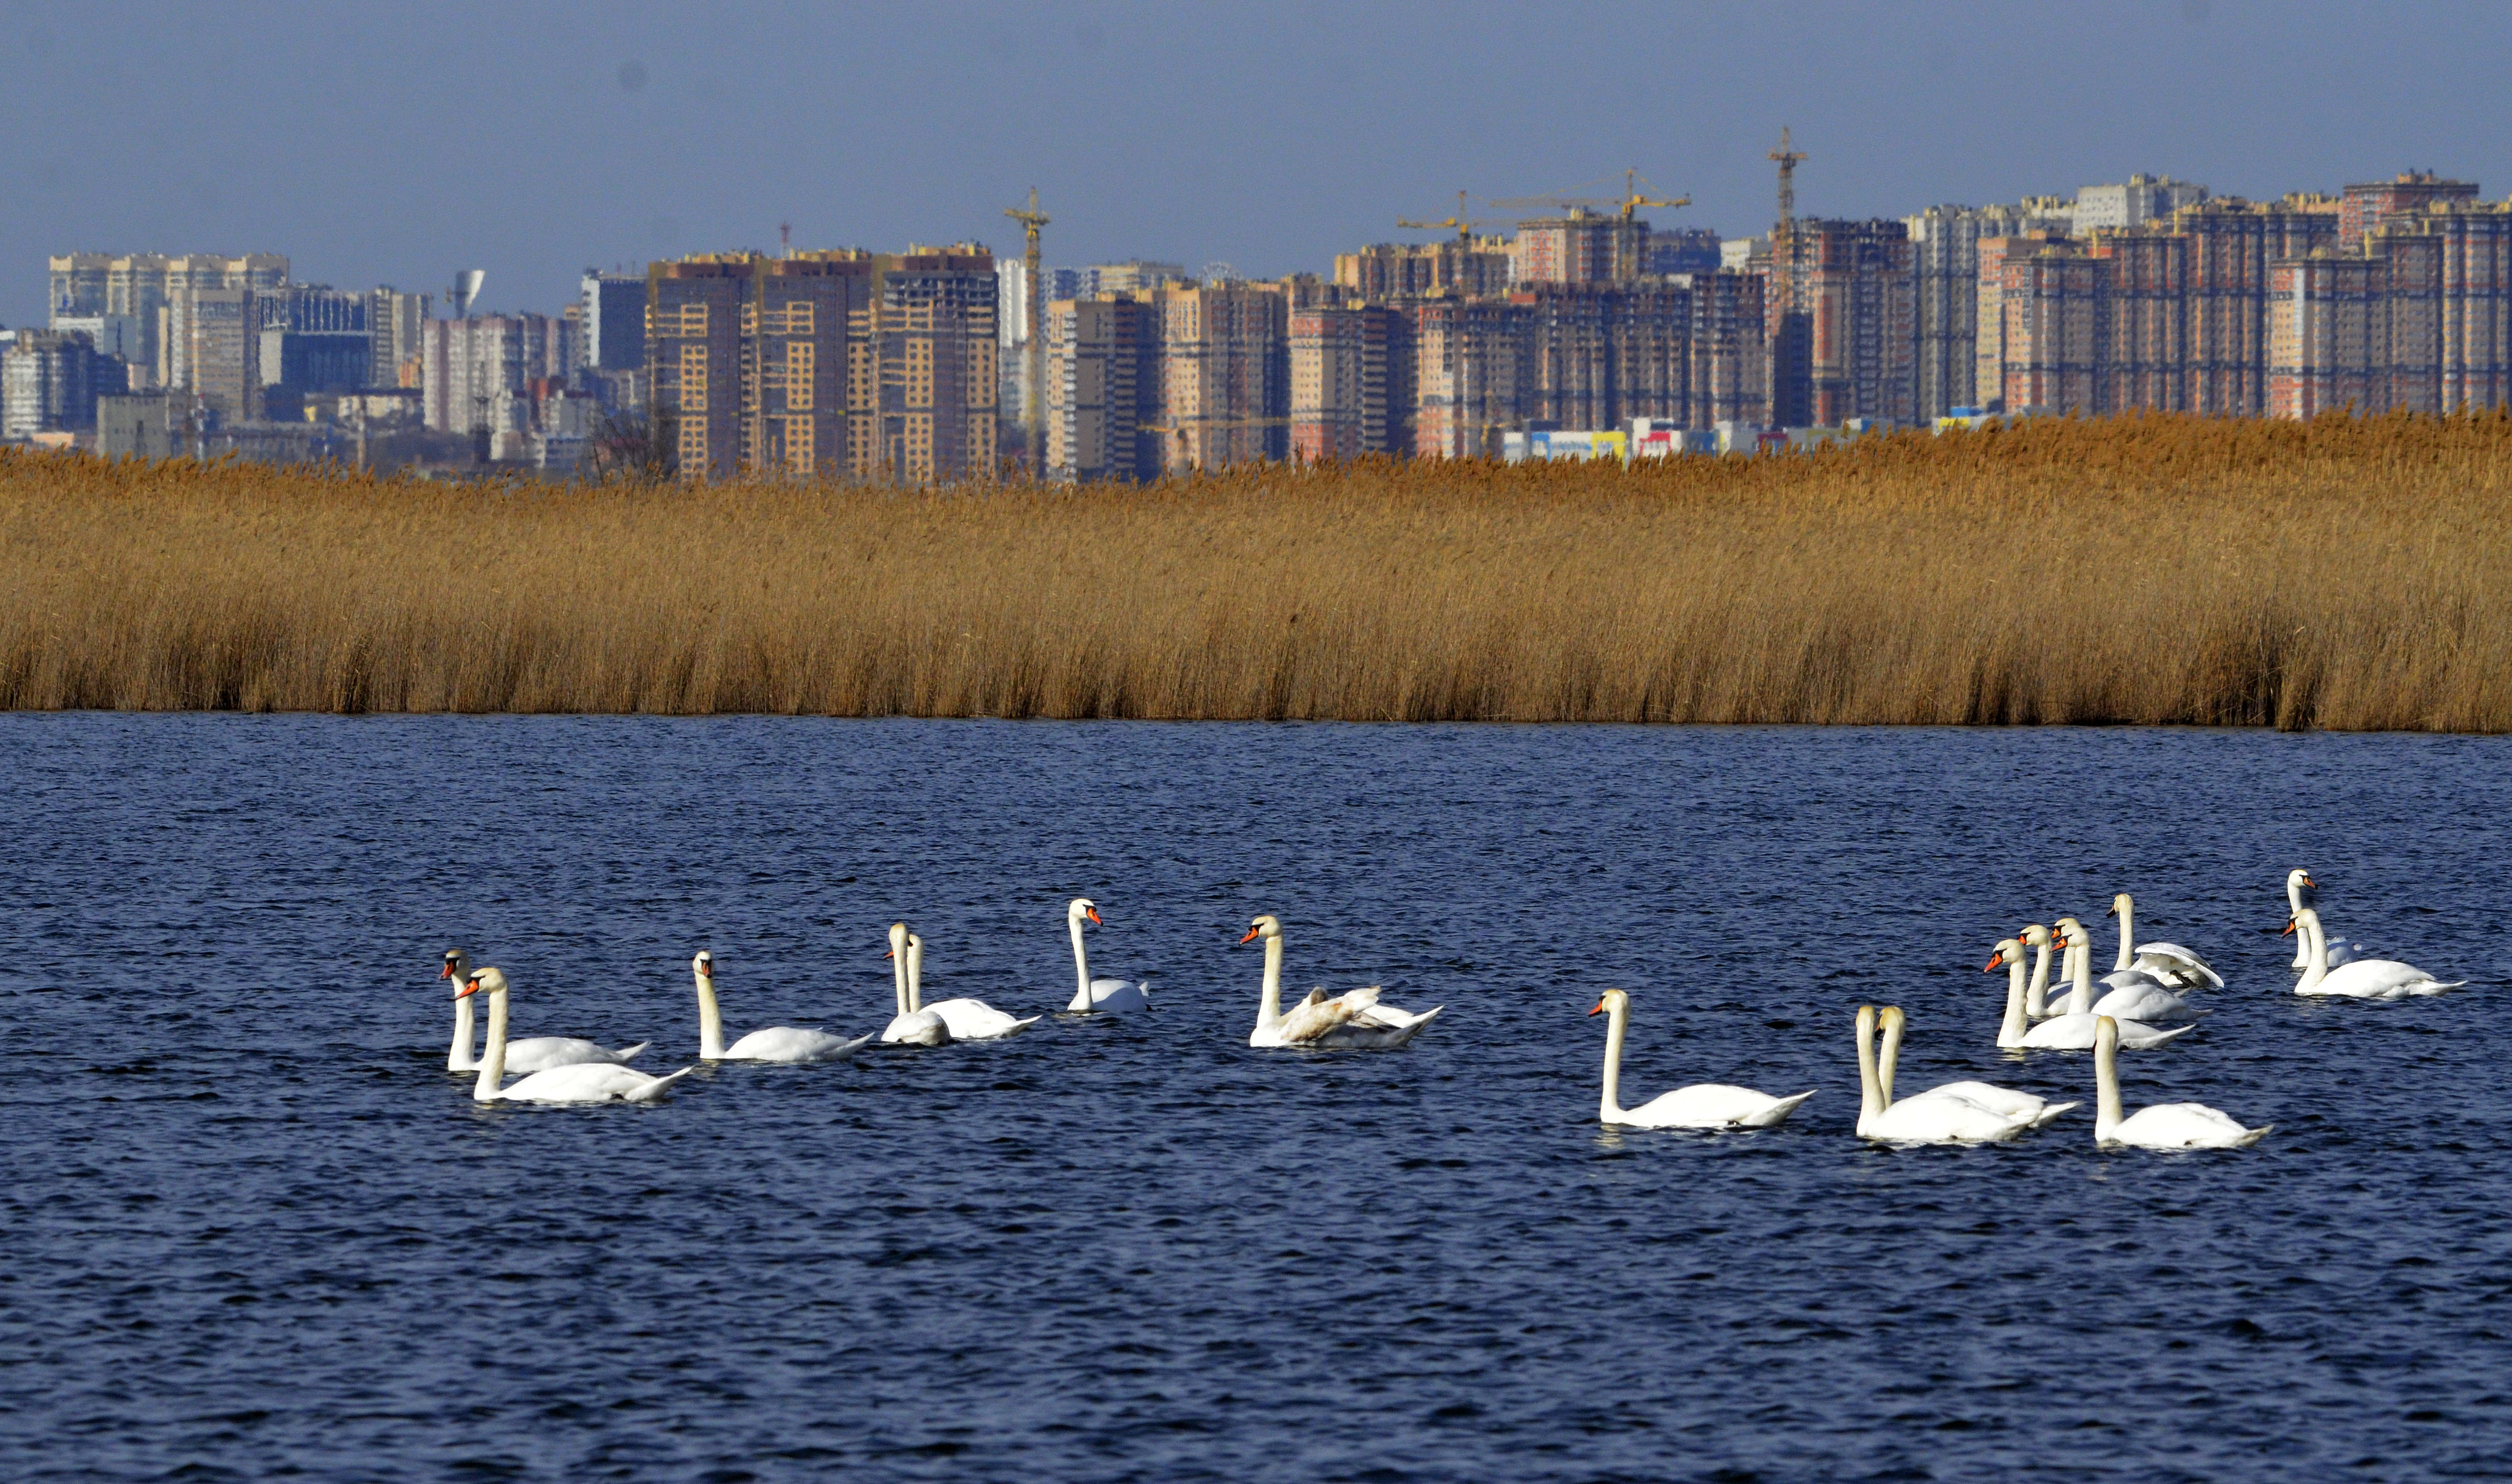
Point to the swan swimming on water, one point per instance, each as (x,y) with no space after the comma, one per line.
(2139,999)
(576,1082)
(2164,1126)
(913,1025)
(2059,1033)
(2301,891)
(777,1043)
(1707,1105)
(968,1020)
(2167,964)
(1098,994)
(1932,1118)
(2363,979)
(2004,1101)
(1354,1020)
(532,1053)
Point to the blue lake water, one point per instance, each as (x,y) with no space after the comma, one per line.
(255,1229)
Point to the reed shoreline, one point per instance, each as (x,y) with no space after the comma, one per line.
(2345,573)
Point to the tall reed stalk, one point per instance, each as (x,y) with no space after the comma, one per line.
(2345,573)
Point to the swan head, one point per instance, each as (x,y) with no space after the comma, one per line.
(2008,952)
(2034,935)
(457,966)
(2074,933)
(898,936)
(2299,877)
(2295,922)
(2105,1033)
(703,965)
(482,982)
(2121,905)
(1866,1023)
(1614,1000)
(1889,1020)
(1083,906)
(1263,928)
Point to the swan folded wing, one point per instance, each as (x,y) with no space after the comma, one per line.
(590,1082)
(2075,1033)
(2172,957)
(541,1053)
(791,1044)
(2379,979)
(1317,1015)
(2183,1125)
(1713,1105)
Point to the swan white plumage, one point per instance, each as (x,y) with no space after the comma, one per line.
(2164,1126)
(1352,1020)
(1100,995)
(2140,999)
(532,1053)
(1706,1105)
(2059,1033)
(2035,1007)
(2003,1101)
(1930,1117)
(790,1045)
(2363,979)
(576,1082)
(913,1025)
(970,1020)
(2168,964)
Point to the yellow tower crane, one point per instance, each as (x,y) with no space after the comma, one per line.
(1032,306)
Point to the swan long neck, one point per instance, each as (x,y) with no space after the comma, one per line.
(1871,1097)
(1080,967)
(493,1060)
(710,1021)
(915,975)
(1888,1055)
(2106,1098)
(2307,924)
(2080,971)
(1609,1110)
(1269,1011)
(2128,935)
(898,965)
(2036,995)
(459,1058)
(2294,908)
(2011,1033)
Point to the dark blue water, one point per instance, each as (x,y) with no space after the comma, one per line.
(255,1229)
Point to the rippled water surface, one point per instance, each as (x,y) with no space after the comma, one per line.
(255,1229)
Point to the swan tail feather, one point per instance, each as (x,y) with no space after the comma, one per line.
(629,1053)
(2051,1113)
(1777,1113)
(2254,1134)
(653,1092)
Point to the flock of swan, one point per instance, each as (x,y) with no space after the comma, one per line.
(2149,983)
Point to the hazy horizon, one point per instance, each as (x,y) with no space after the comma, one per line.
(396,146)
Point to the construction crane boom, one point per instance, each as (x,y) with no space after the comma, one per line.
(1626,205)
(1789,159)
(1464,226)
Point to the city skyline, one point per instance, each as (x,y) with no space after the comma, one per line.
(534,144)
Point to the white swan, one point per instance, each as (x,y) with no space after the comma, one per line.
(2035,1007)
(1707,1105)
(2061,1032)
(2164,1126)
(576,1082)
(913,1025)
(2301,891)
(776,1043)
(970,1020)
(2363,979)
(1088,993)
(532,1053)
(1929,1118)
(2140,998)
(2168,964)
(1352,1020)
(458,967)
(2002,1101)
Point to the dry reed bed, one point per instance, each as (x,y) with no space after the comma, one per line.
(2341,573)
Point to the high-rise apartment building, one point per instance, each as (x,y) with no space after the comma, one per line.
(2232,244)
(1729,379)
(1391,271)
(1103,374)
(2143,199)
(1842,309)
(1225,375)
(1350,381)
(396,323)
(1467,358)
(478,373)
(1583,246)
(151,290)
(48,383)
(2364,208)
(875,365)
(2418,317)
(1951,313)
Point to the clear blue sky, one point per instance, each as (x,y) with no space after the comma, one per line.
(396,143)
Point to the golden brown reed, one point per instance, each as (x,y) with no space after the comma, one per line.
(2340,574)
